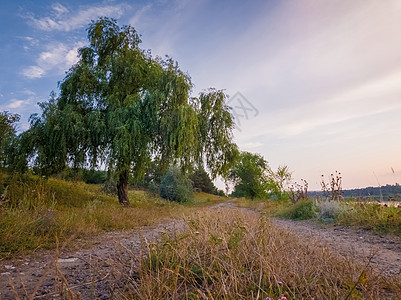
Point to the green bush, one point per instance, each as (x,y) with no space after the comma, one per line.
(302,210)
(175,186)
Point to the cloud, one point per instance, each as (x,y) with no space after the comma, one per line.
(251,145)
(374,97)
(15,103)
(33,72)
(58,57)
(59,9)
(63,20)
(138,18)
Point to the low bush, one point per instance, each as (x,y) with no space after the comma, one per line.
(329,211)
(175,186)
(302,210)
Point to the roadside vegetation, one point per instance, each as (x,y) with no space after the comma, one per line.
(378,217)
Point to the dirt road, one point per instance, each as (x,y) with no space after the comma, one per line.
(93,268)
(384,251)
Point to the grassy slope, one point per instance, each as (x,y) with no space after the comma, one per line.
(34,210)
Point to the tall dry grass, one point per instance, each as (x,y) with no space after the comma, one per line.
(234,254)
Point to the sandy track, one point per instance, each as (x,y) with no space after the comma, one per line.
(85,270)
(358,244)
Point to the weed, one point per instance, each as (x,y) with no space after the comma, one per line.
(329,211)
(372,216)
(333,189)
(299,191)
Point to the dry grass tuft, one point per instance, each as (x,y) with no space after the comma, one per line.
(234,254)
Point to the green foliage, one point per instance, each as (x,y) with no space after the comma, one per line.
(302,210)
(175,186)
(277,182)
(202,182)
(371,216)
(215,125)
(121,106)
(7,135)
(250,176)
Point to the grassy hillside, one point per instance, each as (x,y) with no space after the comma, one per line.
(34,210)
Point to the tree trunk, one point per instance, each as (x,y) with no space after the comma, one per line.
(122,189)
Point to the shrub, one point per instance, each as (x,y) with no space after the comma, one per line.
(175,186)
(302,210)
(329,210)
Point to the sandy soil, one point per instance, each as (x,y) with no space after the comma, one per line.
(92,264)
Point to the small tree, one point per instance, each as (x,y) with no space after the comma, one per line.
(201,180)
(277,181)
(250,176)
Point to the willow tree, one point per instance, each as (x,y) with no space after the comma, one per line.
(7,135)
(120,106)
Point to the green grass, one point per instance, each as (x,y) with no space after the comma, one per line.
(35,210)
(204,199)
(371,216)
(368,215)
(302,210)
(264,206)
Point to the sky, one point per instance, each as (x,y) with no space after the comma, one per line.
(313,84)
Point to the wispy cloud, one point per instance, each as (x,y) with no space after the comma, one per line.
(62,19)
(138,18)
(33,72)
(16,103)
(57,56)
(251,145)
(371,98)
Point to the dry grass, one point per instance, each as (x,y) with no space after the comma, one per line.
(232,254)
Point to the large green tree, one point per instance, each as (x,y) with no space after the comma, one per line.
(120,106)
